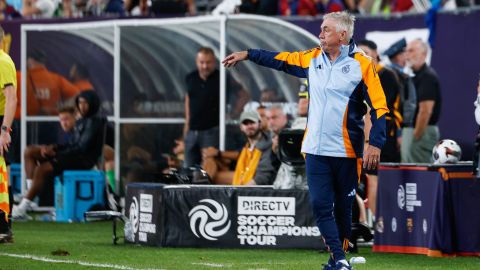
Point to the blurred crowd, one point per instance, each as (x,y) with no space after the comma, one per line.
(33,9)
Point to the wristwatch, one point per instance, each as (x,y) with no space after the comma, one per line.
(6,129)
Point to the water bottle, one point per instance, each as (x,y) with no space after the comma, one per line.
(357,260)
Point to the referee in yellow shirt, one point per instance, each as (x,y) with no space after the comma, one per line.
(8,105)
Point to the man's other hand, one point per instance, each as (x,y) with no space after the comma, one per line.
(371,157)
(5,140)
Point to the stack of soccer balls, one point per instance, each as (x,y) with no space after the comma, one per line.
(446,151)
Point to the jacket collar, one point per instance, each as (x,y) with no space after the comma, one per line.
(346,50)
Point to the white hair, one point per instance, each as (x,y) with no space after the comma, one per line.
(277,107)
(422,45)
(345,22)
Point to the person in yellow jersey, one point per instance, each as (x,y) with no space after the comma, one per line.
(8,105)
(254,165)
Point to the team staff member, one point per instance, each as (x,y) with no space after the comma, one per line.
(8,104)
(340,77)
(419,140)
(46,90)
(202,102)
(391,149)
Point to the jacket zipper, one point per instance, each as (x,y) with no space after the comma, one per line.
(324,107)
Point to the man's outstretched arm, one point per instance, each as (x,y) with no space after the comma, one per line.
(293,63)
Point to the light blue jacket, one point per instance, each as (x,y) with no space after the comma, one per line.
(337,92)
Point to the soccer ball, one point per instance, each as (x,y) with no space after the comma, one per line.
(446,151)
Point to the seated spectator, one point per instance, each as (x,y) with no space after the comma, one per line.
(401,5)
(82,151)
(67,121)
(289,176)
(254,165)
(298,7)
(137,7)
(260,7)
(8,12)
(79,8)
(160,7)
(105,7)
(312,7)
(39,8)
(277,120)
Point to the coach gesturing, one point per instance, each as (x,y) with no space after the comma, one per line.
(340,79)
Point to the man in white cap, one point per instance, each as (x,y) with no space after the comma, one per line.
(254,165)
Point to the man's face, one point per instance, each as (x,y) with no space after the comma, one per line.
(206,64)
(267,96)
(371,53)
(83,106)
(263,118)
(250,128)
(67,121)
(276,120)
(302,107)
(330,39)
(400,59)
(416,54)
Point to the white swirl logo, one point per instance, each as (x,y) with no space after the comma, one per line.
(210,222)
(134,214)
(401,197)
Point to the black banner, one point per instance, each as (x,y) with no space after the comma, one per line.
(212,216)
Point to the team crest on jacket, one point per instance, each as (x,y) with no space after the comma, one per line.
(346,69)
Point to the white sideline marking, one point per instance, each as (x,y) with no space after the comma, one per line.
(217,265)
(45,259)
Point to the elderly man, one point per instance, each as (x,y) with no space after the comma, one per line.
(277,120)
(341,78)
(419,140)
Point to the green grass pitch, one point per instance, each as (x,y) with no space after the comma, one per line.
(89,246)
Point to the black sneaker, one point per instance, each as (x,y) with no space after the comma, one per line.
(6,238)
(330,265)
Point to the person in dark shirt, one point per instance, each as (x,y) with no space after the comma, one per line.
(81,152)
(408,95)
(420,139)
(391,149)
(391,87)
(202,102)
